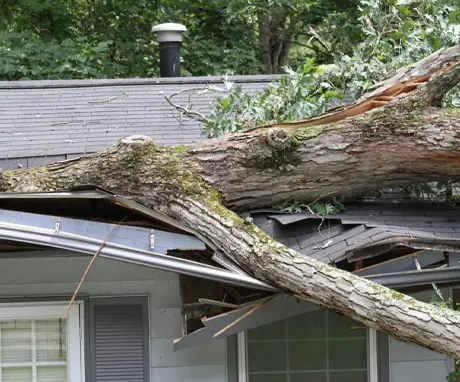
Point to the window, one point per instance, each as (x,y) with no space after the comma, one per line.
(320,346)
(37,345)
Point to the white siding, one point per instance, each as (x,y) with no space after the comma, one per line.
(410,362)
(414,363)
(54,276)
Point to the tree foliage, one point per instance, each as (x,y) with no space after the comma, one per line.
(395,33)
(64,39)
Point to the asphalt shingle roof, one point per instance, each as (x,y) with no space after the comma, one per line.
(46,121)
(365,230)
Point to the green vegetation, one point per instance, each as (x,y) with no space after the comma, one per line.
(322,208)
(65,39)
(446,303)
(388,34)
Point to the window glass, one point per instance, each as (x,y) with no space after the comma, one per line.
(320,346)
(16,374)
(280,377)
(347,376)
(51,340)
(347,353)
(16,341)
(340,326)
(51,373)
(307,355)
(308,377)
(267,356)
(311,325)
(33,350)
(274,331)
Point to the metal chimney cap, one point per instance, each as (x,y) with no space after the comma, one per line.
(169,32)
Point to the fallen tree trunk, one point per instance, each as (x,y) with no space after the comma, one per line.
(401,140)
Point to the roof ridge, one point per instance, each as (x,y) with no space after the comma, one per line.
(48,84)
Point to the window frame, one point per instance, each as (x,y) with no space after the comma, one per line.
(372,356)
(75,328)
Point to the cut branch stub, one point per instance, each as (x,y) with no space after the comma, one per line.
(280,139)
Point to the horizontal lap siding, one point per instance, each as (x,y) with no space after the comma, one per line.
(409,362)
(59,276)
(414,363)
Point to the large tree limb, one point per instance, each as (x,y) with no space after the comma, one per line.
(408,139)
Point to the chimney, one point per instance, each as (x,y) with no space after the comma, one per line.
(169,36)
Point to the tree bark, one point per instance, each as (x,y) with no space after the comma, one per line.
(264,40)
(275,41)
(406,140)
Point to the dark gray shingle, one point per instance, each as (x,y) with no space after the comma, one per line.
(64,118)
(372,229)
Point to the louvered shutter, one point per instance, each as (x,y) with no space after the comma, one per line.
(119,340)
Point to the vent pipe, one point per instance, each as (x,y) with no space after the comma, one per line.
(169,36)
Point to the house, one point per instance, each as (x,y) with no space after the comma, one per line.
(159,304)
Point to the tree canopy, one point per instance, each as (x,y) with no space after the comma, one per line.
(65,39)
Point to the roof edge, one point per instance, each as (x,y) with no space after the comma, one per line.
(47,84)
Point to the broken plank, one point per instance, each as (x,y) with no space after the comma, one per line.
(402,264)
(248,313)
(222,304)
(278,308)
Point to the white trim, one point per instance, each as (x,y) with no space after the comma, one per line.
(1,377)
(74,346)
(242,357)
(372,354)
(34,310)
(75,324)
(33,333)
(82,339)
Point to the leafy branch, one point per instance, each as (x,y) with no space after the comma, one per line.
(333,206)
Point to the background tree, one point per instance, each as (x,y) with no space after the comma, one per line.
(320,27)
(91,39)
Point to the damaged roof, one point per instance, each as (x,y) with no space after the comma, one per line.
(365,230)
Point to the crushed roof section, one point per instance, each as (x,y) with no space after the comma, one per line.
(47,121)
(365,230)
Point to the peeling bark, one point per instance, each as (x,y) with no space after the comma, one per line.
(408,139)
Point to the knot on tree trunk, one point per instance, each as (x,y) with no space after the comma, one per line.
(280,139)
(136,140)
(132,142)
